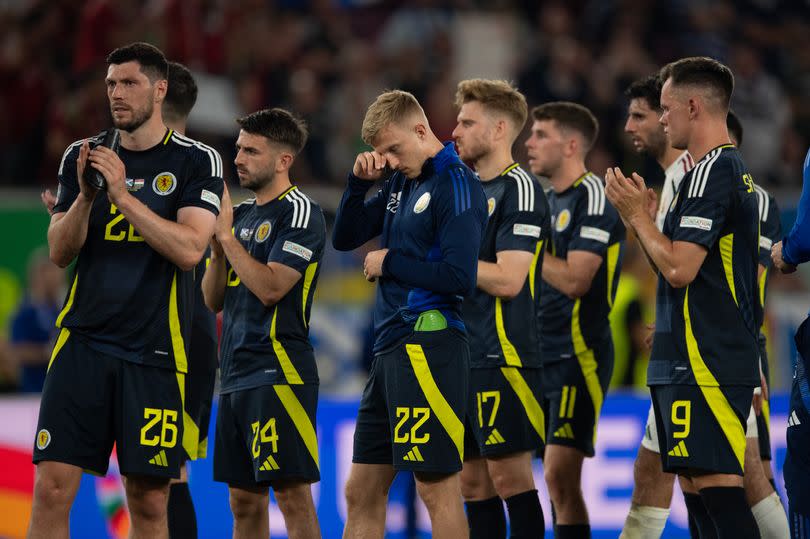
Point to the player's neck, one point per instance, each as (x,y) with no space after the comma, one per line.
(494,163)
(177,126)
(707,137)
(274,189)
(569,172)
(149,134)
(670,156)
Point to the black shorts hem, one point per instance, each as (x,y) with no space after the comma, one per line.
(86,466)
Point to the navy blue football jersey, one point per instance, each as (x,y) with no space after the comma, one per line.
(270,345)
(504,332)
(581,220)
(126,299)
(706,333)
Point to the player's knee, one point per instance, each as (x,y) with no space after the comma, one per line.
(53,491)
(476,485)
(247,505)
(560,483)
(359,494)
(508,483)
(294,499)
(147,498)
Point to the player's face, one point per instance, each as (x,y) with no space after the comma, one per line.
(402,147)
(473,134)
(644,128)
(545,148)
(255,161)
(131,95)
(674,116)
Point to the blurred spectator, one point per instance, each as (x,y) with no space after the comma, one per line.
(33,326)
(330,59)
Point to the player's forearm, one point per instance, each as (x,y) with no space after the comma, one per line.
(214,282)
(27,353)
(496,281)
(68,232)
(177,242)
(256,276)
(356,221)
(559,274)
(660,252)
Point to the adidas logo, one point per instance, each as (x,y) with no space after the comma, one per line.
(793,420)
(269,465)
(679,450)
(414,455)
(565,432)
(159,459)
(494,438)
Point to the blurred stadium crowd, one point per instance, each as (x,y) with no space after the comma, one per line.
(328,59)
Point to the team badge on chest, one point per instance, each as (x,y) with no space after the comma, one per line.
(422,204)
(164,184)
(491,206)
(563,220)
(263,231)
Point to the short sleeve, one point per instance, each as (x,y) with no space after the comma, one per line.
(706,202)
(522,217)
(68,188)
(770,226)
(594,221)
(300,241)
(204,185)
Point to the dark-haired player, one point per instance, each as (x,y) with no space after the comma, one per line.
(652,491)
(705,357)
(264,267)
(181,95)
(580,273)
(505,420)
(117,372)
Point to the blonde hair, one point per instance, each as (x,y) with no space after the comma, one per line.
(495,95)
(392,106)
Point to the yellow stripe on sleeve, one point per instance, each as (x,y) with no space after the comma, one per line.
(763,280)
(524,393)
(60,342)
(287,367)
(300,419)
(718,404)
(445,414)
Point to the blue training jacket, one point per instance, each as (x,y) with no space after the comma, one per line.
(432,227)
(796,245)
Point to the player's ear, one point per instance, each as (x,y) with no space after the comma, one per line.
(284,161)
(420,130)
(694,107)
(161,87)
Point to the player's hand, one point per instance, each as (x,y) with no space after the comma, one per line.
(778,261)
(369,166)
(216,248)
(112,168)
(628,195)
(223,229)
(48,199)
(648,340)
(372,266)
(652,203)
(86,190)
